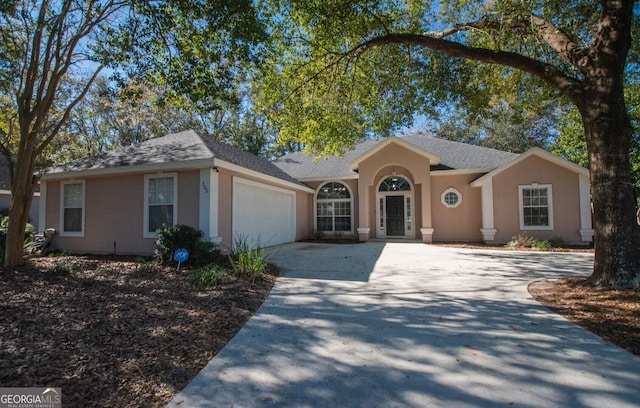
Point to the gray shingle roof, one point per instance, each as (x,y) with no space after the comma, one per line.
(174,148)
(453,156)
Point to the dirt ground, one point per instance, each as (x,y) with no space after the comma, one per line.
(111,335)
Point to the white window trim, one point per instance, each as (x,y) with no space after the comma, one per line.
(447,191)
(332,200)
(521,207)
(145,231)
(409,227)
(80,233)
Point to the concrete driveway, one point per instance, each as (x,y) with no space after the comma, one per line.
(412,325)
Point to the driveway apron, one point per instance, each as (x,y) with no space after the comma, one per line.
(412,325)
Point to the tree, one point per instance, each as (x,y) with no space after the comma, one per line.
(504,128)
(55,50)
(345,70)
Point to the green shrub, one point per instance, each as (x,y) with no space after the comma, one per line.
(145,267)
(62,267)
(4,225)
(247,259)
(209,275)
(541,244)
(183,236)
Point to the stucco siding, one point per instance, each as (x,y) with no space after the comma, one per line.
(462,223)
(565,193)
(114,212)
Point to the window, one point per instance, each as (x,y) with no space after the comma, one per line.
(536,207)
(451,198)
(72,208)
(160,206)
(394,183)
(334,208)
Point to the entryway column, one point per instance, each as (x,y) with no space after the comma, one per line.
(208,211)
(364,229)
(488,230)
(425,198)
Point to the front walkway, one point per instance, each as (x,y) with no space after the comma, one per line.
(413,325)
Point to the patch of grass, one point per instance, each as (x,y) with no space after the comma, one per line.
(209,276)
(145,267)
(61,268)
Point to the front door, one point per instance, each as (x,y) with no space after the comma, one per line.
(395,215)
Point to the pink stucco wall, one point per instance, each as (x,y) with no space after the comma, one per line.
(566,200)
(114,213)
(462,223)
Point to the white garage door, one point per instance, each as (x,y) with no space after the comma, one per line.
(262,215)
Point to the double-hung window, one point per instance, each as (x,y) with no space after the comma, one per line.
(536,207)
(72,208)
(160,202)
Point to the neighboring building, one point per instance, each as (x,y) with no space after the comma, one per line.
(412,187)
(5,193)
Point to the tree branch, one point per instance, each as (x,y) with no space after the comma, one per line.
(548,73)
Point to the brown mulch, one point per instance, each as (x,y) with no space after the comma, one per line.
(613,314)
(110,335)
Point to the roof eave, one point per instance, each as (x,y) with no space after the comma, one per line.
(222,164)
(129,169)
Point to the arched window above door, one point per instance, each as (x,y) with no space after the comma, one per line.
(394,183)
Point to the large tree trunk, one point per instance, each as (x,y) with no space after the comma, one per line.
(22,187)
(617,235)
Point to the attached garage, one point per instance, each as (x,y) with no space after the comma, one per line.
(262,214)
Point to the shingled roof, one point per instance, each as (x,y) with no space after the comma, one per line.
(453,156)
(183,147)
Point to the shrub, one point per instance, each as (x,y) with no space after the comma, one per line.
(520,241)
(4,225)
(145,267)
(543,245)
(183,236)
(60,268)
(247,259)
(209,275)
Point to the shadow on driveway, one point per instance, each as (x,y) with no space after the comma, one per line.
(411,325)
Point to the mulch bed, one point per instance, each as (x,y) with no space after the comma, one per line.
(110,335)
(613,314)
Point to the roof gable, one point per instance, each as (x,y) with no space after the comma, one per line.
(178,150)
(535,151)
(433,159)
(452,156)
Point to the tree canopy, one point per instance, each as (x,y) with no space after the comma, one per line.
(53,51)
(342,71)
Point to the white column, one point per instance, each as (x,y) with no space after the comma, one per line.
(488,227)
(208,208)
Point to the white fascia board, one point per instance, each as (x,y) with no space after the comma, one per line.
(142,168)
(534,151)
(455,172)
(433,158)
(350,177)
(221,164)
(8,192)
